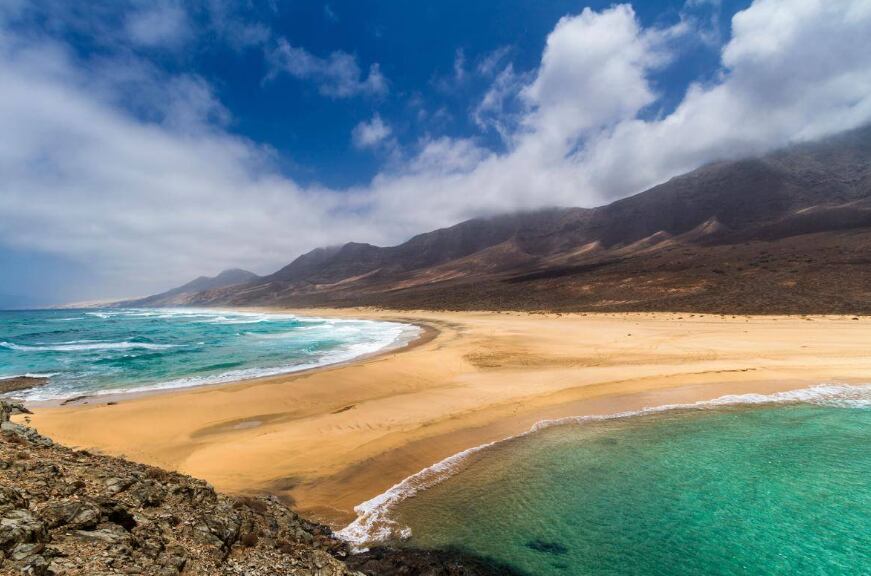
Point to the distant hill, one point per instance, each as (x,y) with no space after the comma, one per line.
(787,232)
(187,293)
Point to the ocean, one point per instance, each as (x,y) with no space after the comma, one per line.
(753,484)
(86,352)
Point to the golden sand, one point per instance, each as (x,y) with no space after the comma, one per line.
(334,437)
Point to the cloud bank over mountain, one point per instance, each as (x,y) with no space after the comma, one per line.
(139,172)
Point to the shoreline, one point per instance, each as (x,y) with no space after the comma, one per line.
(356,478)
(424,334)
(338,436)
(374,525)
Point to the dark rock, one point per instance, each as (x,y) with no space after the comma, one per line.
(18,383)
(115,485)
(10,498)
(26,550)
(34,566)
(218,530)
(67,512)
(123,518)
(147,493)
(109,535)
(546,546)
(173,559)
(75,514)
(74,399)
(387,561)
(7,409)
(20,526)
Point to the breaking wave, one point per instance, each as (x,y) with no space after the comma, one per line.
(80,345)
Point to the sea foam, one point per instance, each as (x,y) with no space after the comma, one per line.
(374,522)
(334,341)
(79,346)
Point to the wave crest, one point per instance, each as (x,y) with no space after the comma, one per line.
(79,346)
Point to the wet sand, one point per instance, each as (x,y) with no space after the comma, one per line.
(334,437)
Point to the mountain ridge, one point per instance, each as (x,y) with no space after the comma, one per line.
(760,235)
(179,295)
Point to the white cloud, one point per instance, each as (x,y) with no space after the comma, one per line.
(594,72)
(490,63)
(449,83)
(125,25)
(132,171)
(492,111)
(791,72)
(371,134)
(146,202)
(704,17)
(160,24)
(459,65)
(337,76)
(227,20)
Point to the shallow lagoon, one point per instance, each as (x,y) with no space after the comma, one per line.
(763,488)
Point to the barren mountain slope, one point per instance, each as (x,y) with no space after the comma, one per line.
(787,232)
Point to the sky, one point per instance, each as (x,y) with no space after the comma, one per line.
(147,143)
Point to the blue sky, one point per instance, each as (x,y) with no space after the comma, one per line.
(420,47)
(156,141)
(427,53)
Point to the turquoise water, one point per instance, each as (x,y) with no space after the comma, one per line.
(116,350)
(780,485)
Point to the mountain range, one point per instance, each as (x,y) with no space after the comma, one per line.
(187,292)
(788,232)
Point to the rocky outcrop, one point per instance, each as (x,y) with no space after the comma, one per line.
(71,512)
(19,383)
(66,511)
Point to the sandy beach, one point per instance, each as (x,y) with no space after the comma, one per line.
(331,438)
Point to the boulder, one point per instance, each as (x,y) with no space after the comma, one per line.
(218,530)
(11,498)
(18,383)
(21,526)
(76,514)
(26,550)
(10,407)
(116,485)
(112,534)
(147,493)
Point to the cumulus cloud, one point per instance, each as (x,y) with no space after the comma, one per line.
(789,73)
(146,201)
(593,73)
(371,134)
(153,189)
(337,76)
